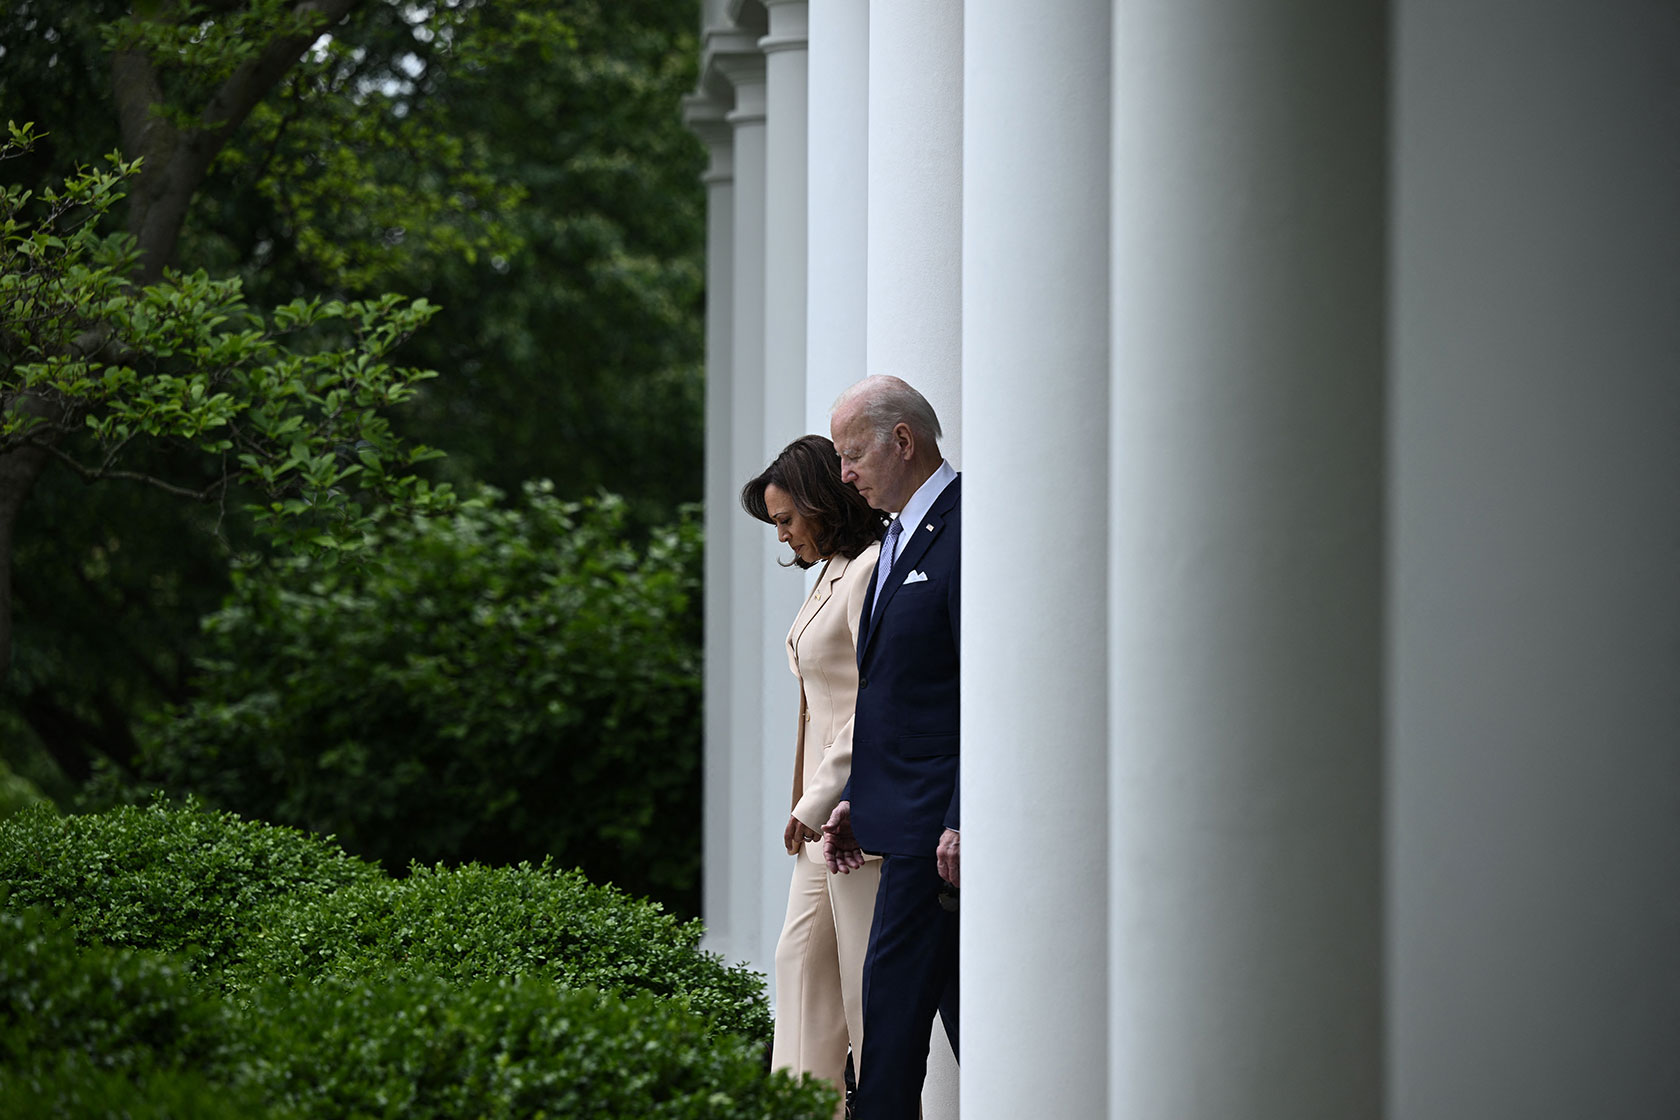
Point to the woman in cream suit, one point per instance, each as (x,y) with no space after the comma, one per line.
(819,958)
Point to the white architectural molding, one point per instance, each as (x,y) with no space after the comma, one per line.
(1035,735)
(1245,562)
(747,14)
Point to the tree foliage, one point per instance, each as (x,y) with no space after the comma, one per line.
(523,167)
(507,683)
(290,404)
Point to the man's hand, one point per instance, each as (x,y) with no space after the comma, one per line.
(840,847)
(950,866)
(796,833)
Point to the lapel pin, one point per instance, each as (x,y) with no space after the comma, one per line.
(929,526)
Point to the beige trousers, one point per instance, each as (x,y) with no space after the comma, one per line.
(819,968)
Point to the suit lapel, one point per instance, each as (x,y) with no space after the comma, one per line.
(814,602)
(920,539)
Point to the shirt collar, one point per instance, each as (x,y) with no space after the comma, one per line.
(922,500)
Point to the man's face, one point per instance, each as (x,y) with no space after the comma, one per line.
(867,462)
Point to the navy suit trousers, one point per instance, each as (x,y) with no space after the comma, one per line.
(910,972)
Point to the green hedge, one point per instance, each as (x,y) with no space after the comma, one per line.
(103,1032)
(476,923)
(158,877)
(91,1031)
(175,962)
(419,1047)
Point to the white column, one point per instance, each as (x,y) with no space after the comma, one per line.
(751,570)
(1535,591)
(717,881)
(914,266)
(838,220)
(785,220)
(915,199)
(783,419)
(1035,419)
(1246,560)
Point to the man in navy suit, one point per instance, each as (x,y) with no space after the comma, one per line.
(902,799)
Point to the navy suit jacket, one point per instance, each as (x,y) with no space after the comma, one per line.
(905,741)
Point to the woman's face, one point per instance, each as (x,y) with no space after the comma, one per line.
(793,527)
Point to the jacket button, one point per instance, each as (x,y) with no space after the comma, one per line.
(863,682)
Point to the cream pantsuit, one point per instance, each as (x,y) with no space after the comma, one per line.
(819,957)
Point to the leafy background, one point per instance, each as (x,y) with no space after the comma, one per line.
(514,678)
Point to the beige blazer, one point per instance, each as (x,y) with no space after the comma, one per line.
(822,652)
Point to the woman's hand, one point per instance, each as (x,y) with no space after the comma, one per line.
(797,833)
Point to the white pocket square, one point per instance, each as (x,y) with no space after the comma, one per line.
(916,577)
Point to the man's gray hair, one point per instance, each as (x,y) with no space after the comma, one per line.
(885,402)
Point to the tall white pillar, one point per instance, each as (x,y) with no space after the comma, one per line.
(785,230)
(1035,513)
(913,304)
(783,419)
(1534,679)
(915,199)
(752,568)
(717,879)
(1246,560)
(838,214)
(785,222)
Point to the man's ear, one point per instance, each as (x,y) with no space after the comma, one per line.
(904,442)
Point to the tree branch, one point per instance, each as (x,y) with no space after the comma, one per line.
(249,84)
(95,474)
(176,161)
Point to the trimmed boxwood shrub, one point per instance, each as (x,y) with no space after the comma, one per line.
(302,983)
(162,877)
(92,1031)
(98,1031)
(72,1085)
(475,923)
(265,901)
(419,1047)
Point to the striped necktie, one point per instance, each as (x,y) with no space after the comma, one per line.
(889,548)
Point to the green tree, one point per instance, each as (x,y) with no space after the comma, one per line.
(92,361)
(523,165)
(183,78)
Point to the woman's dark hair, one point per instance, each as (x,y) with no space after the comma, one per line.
(809,470)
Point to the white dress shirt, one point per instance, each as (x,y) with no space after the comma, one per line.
(922,501)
